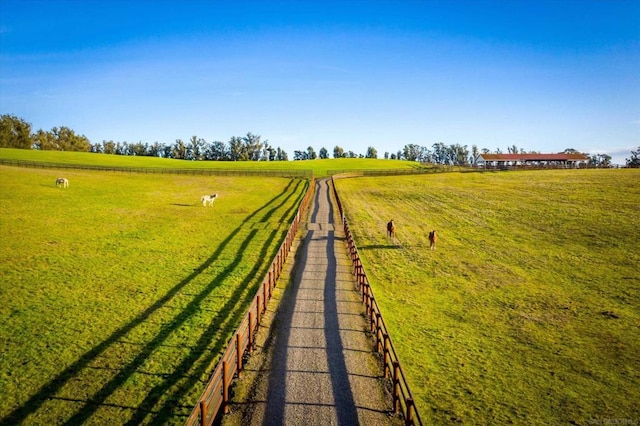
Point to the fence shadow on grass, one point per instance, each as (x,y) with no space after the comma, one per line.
(381,247)
(199,353)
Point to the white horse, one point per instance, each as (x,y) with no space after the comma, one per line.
(208,199)
(62,182)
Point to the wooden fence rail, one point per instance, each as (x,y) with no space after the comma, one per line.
(157,170)
(402,398)
(216,394)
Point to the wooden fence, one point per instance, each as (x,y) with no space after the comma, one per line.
(388,172)
(215,397)
(402,398)
(307,174)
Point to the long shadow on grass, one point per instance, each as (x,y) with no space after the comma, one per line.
(52,387)
(380,246)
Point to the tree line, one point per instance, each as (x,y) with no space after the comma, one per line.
(17,133)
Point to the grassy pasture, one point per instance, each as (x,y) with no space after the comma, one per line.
(119,293)
(528,311)
(319,167)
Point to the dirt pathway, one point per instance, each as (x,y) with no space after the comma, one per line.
(315,363)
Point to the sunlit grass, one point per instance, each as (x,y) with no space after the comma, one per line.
(119,292)
(319,167)
(529,309)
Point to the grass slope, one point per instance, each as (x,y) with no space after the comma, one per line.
(319,167)
(529,309)
(119,293)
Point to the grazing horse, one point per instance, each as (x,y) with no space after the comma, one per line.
(391,229)
(208,199)
(62,182)
(433,239)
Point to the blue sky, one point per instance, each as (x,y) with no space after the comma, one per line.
(541,75)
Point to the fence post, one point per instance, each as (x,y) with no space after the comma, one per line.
(268,287)
(238,354)
(203,413)
(396,387)
(409,417)
(386,355)
(373,319)
(378,332)
(273,273)
(366,298)
(264,299)
(258,309)
(225,388)
(250,331)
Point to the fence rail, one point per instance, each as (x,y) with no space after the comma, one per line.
(402,398)
(308,174)
(215,396)
(387,172)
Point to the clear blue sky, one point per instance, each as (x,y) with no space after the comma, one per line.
(543,75)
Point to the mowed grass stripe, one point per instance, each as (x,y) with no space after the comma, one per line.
(528,311)
(121,291)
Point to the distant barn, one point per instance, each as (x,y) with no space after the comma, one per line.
(533,160)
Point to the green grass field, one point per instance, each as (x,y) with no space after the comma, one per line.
(528,311)
(320,168)
(119,292)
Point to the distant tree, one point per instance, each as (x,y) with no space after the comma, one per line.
(60,139)
(440,153)
(68,140)
(323,154)
(139,149)
(96,148)
(393,156)
(300,155)
(125,148)
(14,132)
(352,154)
(338,152)
(600,160)
(512,149)
(371,153)
(411,152)
(167,151)
(570,151)
(268,153)
(311,154)
(180,150)
(475,155)
(155,150)
(216,151)
(252,147)
(196,148)
(634,160)
(236,149)
(386,155)
(458,155)
(281,155)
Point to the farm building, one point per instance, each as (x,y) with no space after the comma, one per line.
(536,160)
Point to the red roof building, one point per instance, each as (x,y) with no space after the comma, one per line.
(532,159)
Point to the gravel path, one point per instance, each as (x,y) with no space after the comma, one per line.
(315,363)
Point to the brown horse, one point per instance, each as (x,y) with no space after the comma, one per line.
(433,239)
(391,229)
